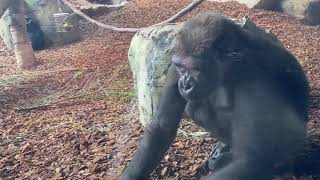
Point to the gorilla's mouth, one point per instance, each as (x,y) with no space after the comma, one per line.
(193,91)
(193,94)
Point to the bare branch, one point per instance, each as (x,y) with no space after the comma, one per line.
(113,28)
(184,11)
(97,9)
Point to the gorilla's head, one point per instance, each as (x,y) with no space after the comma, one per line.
(203,44)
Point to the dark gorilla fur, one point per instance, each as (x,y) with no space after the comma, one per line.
(246,89)
(35,34)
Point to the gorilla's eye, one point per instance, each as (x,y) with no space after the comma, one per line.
(180,69)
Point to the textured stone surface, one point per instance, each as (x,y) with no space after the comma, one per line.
(3,6)
(5,31)
(149,57)
(41,11)
(260,4)
(306,10)
(312,13)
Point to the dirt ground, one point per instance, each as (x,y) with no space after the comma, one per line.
(74,115)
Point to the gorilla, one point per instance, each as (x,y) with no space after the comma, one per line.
(247,90)
(35,34)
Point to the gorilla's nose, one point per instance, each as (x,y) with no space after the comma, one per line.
(188,84)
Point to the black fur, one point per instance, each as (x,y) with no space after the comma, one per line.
(35,34)
(247,90)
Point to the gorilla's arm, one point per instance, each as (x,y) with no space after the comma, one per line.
(160,133)
(265,129)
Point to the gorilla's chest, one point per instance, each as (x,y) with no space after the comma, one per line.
(203,113)
(213,113)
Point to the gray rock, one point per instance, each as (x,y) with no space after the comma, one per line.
(3,6)
(312,13)
(256,4)
(41,11)
(5,34)
(150,57)
(306,10)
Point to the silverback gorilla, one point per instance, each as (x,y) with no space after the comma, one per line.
(247,90)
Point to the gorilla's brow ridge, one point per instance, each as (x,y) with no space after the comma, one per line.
(199,34)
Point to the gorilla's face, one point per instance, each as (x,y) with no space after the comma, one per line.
(197,77)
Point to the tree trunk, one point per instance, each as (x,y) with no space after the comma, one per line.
(22,47)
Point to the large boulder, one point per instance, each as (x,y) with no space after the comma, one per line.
(257,4)
(3,6)
(41,12)
(306,10)
(150,56)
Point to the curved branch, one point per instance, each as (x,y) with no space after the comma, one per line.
(184,11)
(113,28)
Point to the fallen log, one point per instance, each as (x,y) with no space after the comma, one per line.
(99,9)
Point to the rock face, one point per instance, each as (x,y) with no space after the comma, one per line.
(305,10)
(312,13)
(41,12)
(150,57)
(3,6)
(259,4)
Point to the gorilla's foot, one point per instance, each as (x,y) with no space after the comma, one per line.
(214,164)
(220,156)
(218,148)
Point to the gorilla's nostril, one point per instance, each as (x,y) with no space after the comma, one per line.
(188,84)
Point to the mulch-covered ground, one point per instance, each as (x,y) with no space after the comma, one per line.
(74,115)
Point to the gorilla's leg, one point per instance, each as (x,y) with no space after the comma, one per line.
(214,164)
(266,130)
(218,148)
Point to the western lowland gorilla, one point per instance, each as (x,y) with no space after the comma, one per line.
(246,89)
(35,34)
